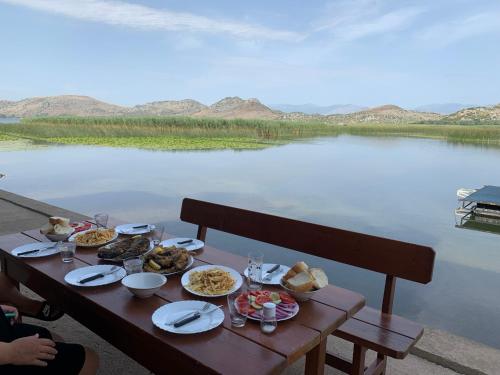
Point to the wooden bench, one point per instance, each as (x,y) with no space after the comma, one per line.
(381,331)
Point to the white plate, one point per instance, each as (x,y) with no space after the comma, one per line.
(235,275)
(276,276)
(128,229)
(192,246)
(72,238)
(75,276)
(35,246)
(175,310)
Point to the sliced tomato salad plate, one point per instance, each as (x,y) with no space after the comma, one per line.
(252,303)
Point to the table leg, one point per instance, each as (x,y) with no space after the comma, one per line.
(315,359)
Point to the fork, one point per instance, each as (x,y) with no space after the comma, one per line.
(205,307)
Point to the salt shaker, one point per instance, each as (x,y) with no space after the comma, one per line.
(268,321)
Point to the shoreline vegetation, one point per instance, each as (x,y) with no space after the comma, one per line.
(186,133)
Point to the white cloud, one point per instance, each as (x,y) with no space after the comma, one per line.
(458,29)
(350,20)
(147,18)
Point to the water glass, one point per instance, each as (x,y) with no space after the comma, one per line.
(133,265)
(101,220)
(67,251)
(157,234)
(238,315)
(254,279)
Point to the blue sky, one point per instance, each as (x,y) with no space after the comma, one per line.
(367,52)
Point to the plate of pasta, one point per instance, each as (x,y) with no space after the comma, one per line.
(94,237)
(211,281)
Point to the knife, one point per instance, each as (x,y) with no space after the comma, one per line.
(184,242)
(193,317)
(99,275)
(37,250)
(269,272)
(187,320)
(141,226)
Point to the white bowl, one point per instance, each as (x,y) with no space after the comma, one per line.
(58,237)
(299,296)
(144,284)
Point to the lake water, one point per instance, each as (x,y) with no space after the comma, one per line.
(9,120)
(393,187)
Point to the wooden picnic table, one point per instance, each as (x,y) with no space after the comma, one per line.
(125,321)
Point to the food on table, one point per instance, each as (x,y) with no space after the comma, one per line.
(130,247)
(166,260)
(286,306)
(213,281)
(95,237)
(57,225)
(301,278)
(81,226)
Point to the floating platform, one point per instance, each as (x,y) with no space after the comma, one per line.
(480,209)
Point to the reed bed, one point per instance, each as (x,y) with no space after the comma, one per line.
(200,133)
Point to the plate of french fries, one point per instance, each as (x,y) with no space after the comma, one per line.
(94,237)
(211,281)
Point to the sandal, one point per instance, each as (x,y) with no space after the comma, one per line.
(47,313)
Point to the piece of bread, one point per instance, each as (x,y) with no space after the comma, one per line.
(59,220)
(291,273)
(62,229)
(300,267)
(320,280)
(47,228)
(301,282)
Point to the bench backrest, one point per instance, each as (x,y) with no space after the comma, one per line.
(393,258)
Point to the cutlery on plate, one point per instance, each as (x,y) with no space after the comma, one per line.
(99,275)
(196,315)
(37,250)
(272,270)
(184,242)
(205,307)
(133,229)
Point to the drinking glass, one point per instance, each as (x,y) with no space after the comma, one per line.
(67,251)
(238,315)
(157,234)
(101,220)
(133,265)
(254,279)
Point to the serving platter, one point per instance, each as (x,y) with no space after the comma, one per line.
(73,237)
(192,246)
(172,311)
(119,261)
(233,273)
(284,311)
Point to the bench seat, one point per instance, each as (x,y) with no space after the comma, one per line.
(387,334)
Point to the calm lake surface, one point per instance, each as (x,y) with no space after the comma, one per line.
(399,188)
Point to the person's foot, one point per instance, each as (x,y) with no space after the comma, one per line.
(46,312)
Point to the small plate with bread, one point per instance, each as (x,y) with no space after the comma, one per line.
(57,229)
(302,282)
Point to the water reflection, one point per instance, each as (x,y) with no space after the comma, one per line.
(398,188)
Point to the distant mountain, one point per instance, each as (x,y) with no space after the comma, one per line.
(184,107)
(313,109)
(443,108)
(64,105)
(477,115)
(386,114)
(235,107)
